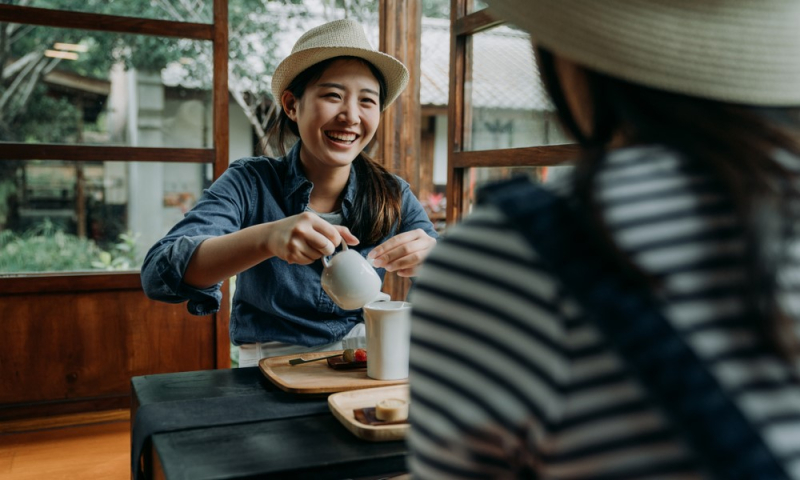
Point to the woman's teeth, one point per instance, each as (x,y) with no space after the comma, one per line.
(342,137)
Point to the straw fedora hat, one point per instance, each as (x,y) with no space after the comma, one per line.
(739,51)
(335,39)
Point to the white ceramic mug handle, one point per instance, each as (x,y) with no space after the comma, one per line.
(325,261)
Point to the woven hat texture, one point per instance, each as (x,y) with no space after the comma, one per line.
(739,51)
(335,39)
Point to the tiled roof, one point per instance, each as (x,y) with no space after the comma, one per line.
(505,74)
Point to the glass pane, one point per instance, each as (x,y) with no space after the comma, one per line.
(78,216)
(434,87)
(86,87)
(475,178)
(435,9)
(506,105)
(434,98)
(475,5)
(195,11)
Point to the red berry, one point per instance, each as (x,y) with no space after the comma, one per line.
(361,355)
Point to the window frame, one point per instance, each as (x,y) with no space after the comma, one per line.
(215,32)
(464,23)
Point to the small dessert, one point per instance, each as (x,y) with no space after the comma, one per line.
(360,355)
(349,359)
(349,355)
(391,410)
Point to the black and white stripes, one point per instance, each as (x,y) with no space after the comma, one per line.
(510,378)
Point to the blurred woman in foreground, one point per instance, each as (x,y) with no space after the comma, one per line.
(670,349)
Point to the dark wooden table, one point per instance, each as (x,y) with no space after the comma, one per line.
(311,446)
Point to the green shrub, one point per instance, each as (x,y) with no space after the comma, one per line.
(122,255)
(45,248)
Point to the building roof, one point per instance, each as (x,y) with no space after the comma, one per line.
(504,74)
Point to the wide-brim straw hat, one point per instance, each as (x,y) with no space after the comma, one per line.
(336,39)
(738,51)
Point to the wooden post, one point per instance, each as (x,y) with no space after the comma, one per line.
(399,134)
(221,153)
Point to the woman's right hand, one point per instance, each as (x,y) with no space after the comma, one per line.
(305,237)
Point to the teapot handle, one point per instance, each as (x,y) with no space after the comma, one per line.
(326,262)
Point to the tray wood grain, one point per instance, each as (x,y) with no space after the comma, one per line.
(343,404)
(317,377)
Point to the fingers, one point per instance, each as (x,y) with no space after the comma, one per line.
(404,252)
(321,244)
(304,246)
(308,238)
(323,238)
(407,272)
(346,235)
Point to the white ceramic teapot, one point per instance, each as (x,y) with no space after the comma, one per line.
(350,280)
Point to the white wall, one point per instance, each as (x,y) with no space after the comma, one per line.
(240,133)
(159,193)
(145,179)
(440,148)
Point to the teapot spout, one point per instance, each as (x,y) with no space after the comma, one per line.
(381,297)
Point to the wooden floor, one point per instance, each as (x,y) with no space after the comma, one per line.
(66,450)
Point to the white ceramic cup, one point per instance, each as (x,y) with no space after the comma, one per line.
(388,326)
(349,279)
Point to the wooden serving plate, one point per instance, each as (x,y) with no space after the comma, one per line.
(343,404)
(317,377)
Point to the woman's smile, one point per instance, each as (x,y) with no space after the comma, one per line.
(343,137)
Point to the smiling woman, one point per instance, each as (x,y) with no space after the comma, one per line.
(270,220)
(334,107)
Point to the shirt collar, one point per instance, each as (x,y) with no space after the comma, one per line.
(295,178)
(296,181)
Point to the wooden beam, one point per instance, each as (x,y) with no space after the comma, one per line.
(399,133)
(455,117)
(475,23)
(25,283)
(108,23)
(99,153)
(544,156)
(221,161)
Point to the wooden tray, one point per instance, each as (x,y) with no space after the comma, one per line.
(317,377)
(342,405)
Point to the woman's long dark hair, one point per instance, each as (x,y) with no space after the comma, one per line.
(378,204)
(735,144)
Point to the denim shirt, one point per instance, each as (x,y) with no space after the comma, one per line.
(274,301)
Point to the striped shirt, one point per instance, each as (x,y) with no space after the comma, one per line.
(509,378)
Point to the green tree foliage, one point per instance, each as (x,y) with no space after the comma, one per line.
(23,63)
(436,8)
(254,48)
(60,115)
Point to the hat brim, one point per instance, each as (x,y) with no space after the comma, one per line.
(733,50)
(394,72)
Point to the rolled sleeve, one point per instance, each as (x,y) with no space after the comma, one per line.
(221,210)
(162,277)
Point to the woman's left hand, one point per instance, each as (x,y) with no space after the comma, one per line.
(403,253)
